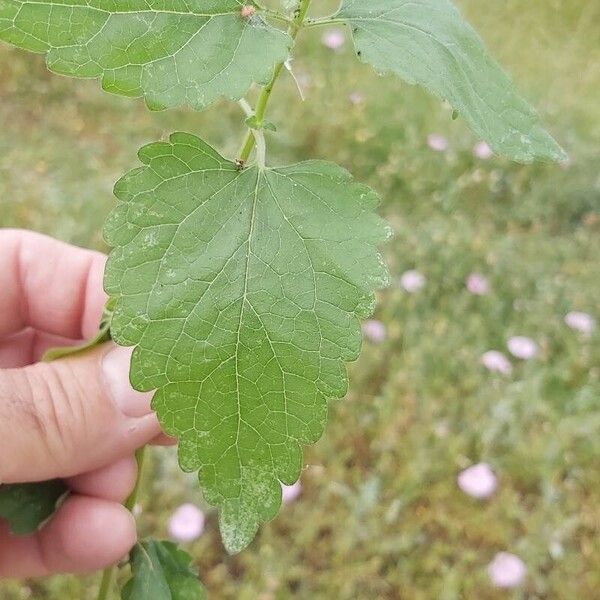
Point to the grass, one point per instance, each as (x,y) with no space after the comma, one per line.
(380,515)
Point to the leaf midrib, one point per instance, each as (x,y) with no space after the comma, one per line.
(242,305)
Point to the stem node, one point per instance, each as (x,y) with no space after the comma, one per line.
(263,100)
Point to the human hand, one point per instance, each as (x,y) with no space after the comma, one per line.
(76,418)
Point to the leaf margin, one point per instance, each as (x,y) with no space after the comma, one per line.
(234,537)
(548,150)
(280,46)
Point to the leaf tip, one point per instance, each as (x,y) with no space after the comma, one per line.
(237,530)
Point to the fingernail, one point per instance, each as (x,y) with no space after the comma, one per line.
(115,366)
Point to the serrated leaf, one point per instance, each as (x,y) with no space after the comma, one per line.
(241,292)
(161,571)
(172,52)
(427,42)
(25,506)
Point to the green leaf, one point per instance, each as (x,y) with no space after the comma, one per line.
(172,52)
(427,42)
(253,123)
(27,505)
(241,292)
(161,571)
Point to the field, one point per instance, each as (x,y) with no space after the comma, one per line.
(380,514)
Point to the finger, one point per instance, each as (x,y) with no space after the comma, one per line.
(114,482)
(28,346)
(71,416)
(162,439)
(49,285)
(86,534)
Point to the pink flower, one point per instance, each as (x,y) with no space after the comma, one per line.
(477,284)
(522,347)
(581,322)
(374,331)
(437,142)
(356,98)
(478,481)
(333,39)
(412,281)
(290,492)
(507,570)
(482,150)
(441,429)
(496,361)
(566,163)
(186,523)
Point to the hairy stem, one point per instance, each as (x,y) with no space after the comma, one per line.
(107,574)
(265,95)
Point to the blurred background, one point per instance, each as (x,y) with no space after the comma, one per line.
(465,461)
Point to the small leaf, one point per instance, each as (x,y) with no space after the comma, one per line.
(241,291)
(27,505)
(172,53)
(428,42)
(253,123)
(269,126)
(161,571)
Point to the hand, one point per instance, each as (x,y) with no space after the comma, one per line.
(76,418)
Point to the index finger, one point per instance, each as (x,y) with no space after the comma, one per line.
(49,285)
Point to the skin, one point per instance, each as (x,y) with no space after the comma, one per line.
(60,419)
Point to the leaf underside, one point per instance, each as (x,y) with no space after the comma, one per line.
(161,571)
(427,42)
(241,292)
(25,506)
(172,52)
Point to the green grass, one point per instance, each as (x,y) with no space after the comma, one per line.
(381,515)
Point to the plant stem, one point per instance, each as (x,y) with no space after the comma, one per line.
(107,574)
(102,336)
(263,99)
(276,15)
(245,106)
(324,21)
(140,455)
(105,584)
(246,147)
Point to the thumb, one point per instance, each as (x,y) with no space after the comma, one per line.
(71,416)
